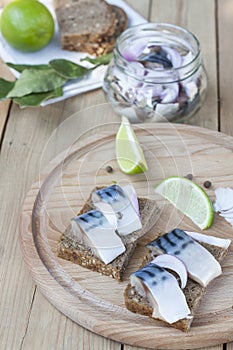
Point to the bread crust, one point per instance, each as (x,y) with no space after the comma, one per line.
(89,26)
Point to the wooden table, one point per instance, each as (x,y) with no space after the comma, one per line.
(28,321)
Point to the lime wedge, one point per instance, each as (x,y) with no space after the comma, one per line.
(129,154)
(189,198)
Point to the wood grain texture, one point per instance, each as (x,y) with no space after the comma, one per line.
(217,347)
(27,132)
(142,7)
(225,27)
(68,335)
(26,135)
(4,105)
(95,301)
(193,16)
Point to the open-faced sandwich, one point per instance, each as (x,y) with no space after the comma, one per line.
(103,236)
(173,276)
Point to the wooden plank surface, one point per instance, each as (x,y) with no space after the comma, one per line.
(21,152)
(143,7)
(218,347)
(4,105)
(225,27)
(26,134)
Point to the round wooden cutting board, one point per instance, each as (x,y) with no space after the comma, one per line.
(95,301)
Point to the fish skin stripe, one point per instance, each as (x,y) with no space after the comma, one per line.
(166,237)
(157,243)
(176,234)
(112,192)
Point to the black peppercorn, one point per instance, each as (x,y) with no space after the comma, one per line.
(109,169)
(189,176)
(207,184)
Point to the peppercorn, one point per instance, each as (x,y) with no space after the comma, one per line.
(207,184)
(109,169)
(189,176)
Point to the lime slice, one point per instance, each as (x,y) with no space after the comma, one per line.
(189,198)
(129,154)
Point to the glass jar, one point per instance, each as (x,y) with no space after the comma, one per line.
(156,74)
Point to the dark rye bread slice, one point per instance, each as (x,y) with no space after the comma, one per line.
(89,26)
(105,46)
(69,248)
(85,21)
(193,292)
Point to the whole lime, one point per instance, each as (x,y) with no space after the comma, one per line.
(27,25)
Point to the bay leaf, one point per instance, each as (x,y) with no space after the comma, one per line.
(68,69)
(105,59)
(21,67)
(35,99)
(5,87)
(33,80)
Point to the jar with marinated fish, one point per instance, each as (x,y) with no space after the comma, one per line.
(156,74)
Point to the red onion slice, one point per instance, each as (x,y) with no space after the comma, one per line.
(134,50)
(228,213)
(224,203)
(136,69)
(130,192)
(167,109)
(187,58)
(228,219)
(191,90)
(219,242)
(173,55)
(170,93)
(173,263)
(224,199)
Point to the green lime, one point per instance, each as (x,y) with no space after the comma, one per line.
(27,25)
(189,198)
(129,154)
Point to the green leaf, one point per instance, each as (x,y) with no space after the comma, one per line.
(105,59)
(33,80)
(38,83)
(5,87)
(68,69)
(35,99)
(21,67)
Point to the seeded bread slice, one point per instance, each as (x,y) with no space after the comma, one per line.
(85,21)
(89,25)
(107,45)
(193,292)
(69,248)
